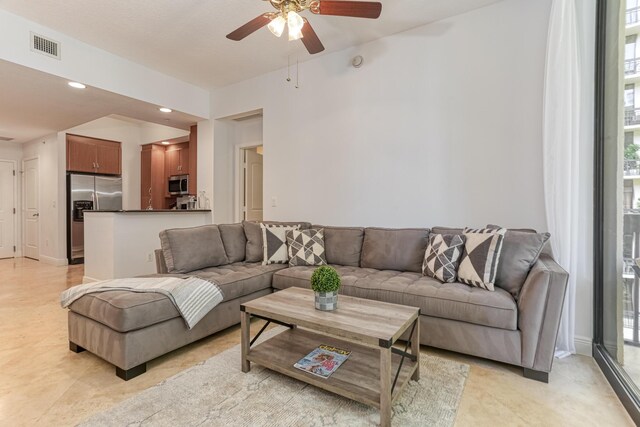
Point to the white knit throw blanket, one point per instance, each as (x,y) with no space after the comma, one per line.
(192,296)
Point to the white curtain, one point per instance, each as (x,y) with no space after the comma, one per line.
(561,155)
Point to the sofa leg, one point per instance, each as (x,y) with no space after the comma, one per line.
(75,347)
(536,375)
(127,374)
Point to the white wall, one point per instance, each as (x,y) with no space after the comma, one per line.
(95,67)
(229,136)
(442,125)
(12,151)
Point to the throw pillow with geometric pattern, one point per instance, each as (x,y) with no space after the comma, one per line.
(479,264)
(274,243)
(306,247)
(442,257)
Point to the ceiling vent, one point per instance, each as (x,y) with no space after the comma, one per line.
(45,46)
(6,138)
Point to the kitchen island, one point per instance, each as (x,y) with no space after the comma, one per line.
(121,243)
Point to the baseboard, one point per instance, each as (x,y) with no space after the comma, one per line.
(87,279)
(584,346)
(58,262)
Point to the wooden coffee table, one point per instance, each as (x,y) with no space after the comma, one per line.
(376,371)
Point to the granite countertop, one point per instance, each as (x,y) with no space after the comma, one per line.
(152,211)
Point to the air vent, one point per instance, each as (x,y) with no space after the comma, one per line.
(6,138)
(45,46)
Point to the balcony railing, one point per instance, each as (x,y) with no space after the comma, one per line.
(632,117)
(633,15)
(631,66)
(631,167)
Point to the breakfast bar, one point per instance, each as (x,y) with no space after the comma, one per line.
(121,243)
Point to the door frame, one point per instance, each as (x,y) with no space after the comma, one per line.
(23,208)
(17,251)
(238,177)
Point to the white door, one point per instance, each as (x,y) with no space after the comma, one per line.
(7,209)
(253,185)
(31,210)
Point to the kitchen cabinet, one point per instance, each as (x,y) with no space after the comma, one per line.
(177,160)
(153,181)
(93,155)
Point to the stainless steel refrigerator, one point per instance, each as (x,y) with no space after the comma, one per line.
(88,192)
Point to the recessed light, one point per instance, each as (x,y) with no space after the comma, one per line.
(165,109)
(165,143)
(76,85)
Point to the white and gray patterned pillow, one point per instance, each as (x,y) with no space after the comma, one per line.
(479,264)
(274,243)
(442,256)
(306,247)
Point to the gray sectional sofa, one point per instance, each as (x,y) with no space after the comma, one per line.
(516,324)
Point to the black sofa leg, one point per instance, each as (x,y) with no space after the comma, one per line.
(75,347)
(536,375)
(127,374)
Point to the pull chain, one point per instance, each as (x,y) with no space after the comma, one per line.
(288,68)
(297,74)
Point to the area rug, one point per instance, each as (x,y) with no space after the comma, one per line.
(217,393)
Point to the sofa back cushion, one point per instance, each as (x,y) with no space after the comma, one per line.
(394,249)
(343,245)
(189,249)
(255,249)
(234,240)
(447,230)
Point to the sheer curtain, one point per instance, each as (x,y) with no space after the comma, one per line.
(561,154)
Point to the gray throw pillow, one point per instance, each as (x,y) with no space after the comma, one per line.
(189,249)
(306,247)
(442,256)
(521,249)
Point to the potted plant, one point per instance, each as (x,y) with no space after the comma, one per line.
(325,282)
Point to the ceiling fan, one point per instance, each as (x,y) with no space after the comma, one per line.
(288,14)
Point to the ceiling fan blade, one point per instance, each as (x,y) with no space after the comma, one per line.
(250,27)
(358,9)
(310,39)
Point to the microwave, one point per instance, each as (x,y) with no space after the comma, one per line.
(178,185)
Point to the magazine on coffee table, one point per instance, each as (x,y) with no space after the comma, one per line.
(323,360)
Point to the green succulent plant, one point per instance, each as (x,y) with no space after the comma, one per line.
(325,279)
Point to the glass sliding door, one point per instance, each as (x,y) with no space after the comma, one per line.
(617,199)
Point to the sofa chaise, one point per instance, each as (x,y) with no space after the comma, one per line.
(515,324)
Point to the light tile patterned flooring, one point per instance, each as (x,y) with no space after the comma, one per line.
(43,383)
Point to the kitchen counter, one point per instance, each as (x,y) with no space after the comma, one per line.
(120,243)
(151,211)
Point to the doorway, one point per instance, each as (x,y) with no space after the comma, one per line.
(31,211)
(251,197)
(7,208)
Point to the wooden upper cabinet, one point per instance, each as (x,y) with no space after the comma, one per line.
(177,160)
(109,158)
(93,155)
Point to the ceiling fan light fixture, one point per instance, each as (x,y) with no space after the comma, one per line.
(276,26)
(295,24)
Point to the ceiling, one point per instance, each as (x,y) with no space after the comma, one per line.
(34,104)
(186,38)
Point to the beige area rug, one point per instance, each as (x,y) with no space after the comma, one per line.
(217,393)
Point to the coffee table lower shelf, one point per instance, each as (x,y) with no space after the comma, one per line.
(358,378)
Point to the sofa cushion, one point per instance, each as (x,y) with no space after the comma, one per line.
(306,247)
(521,249)
(454,301)
(125,311)
(343,245)
(394,249)
(253,232)
(479,263)
(234,240)
(188,249)
(447,230)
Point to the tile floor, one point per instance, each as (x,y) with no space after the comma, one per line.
(43,383)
